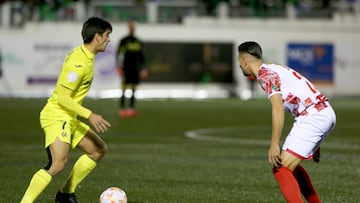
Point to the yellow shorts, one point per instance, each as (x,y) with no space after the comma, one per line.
(70,132)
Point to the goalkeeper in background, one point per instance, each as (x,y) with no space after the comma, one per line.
(130,66)
(58,118)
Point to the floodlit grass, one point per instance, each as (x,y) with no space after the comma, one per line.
(153,161)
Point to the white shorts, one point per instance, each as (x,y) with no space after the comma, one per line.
(309,131)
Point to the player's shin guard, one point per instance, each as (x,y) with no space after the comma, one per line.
(306,186)
(83,166)
(38,183)
(288,184)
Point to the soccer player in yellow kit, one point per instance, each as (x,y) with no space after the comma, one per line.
(58,118)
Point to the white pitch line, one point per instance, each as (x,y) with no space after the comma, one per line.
(198,136)
(206,134)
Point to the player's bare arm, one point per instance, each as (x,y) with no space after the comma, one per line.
(278,115)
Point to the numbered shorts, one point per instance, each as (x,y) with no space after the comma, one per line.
(70,132)
(308,132)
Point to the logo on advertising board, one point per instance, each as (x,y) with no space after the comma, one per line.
(314,61)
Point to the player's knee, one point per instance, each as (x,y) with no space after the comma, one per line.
(102,151)
(99,153)
(57,166)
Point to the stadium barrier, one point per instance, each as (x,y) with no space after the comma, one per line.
(32,55)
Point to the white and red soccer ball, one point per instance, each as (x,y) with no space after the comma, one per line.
(113,195)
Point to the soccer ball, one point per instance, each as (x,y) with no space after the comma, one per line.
(113,195)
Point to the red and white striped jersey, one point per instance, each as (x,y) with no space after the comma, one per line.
(297,92)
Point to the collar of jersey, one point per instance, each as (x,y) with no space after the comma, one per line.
(87,52)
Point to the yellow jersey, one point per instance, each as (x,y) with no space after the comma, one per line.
(76,74)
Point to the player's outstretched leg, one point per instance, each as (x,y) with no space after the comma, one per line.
(57,154)
(306,186)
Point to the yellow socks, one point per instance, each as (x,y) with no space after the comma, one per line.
(83,166)
(40,180)
(37,184)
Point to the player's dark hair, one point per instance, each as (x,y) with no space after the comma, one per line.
(251,48)
(92,26)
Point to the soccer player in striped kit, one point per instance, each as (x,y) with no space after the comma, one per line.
(59,117)
(314,120)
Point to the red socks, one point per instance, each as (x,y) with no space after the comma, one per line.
(306,187)
(293,184)
(289,187)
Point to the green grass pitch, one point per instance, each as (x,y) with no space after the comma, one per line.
(153,161)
